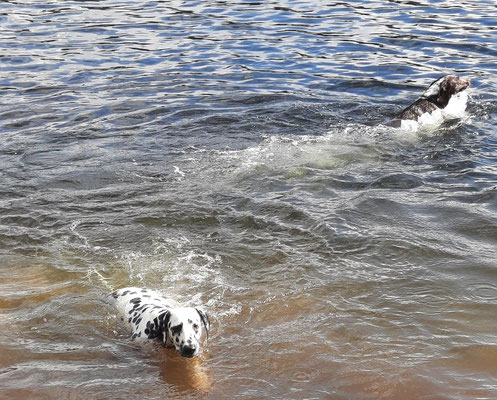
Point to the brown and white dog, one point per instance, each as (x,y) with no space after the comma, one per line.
(444,99)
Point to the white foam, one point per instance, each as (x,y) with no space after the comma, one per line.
(179,174)
(338,147)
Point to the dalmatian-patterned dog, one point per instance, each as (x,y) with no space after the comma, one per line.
(151,316)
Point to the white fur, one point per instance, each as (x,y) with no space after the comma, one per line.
(457,106)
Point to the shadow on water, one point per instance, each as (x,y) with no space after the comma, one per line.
(184,374)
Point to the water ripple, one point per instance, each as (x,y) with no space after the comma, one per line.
(236,155)
(484,291)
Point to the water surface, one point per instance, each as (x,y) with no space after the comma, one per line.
(233,154)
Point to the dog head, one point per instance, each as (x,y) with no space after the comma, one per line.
(183,327)
(441,90)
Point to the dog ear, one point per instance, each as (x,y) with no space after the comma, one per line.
(446,90)
(434,89)
(205,320)
(164,321)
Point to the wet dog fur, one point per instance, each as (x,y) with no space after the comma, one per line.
(152,317)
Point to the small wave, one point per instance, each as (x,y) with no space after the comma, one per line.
(484,291)
(341,146)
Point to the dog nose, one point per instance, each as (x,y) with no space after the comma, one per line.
(188,351)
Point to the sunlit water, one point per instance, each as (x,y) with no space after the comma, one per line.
(234,155)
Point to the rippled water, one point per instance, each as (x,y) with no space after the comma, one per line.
(233,154)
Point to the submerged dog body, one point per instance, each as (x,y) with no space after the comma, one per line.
(150,316)
(445,98)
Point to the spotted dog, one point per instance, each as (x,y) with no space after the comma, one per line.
(151,316)
(445,98)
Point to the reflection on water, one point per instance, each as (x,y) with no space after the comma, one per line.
(235,155)
(184,374)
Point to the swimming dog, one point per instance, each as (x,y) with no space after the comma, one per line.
(150,316)
(444,99)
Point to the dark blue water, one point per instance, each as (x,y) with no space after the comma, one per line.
(235,155)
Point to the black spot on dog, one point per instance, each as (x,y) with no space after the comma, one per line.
(176,330)
(151,330)
(125,293)
(135,300)
(163,333)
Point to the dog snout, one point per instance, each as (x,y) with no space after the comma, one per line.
(464,83)
(188,351)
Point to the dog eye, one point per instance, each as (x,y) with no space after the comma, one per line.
(195,327)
